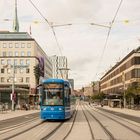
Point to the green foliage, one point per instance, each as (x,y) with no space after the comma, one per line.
(99,96)
(132,91)
(37,73)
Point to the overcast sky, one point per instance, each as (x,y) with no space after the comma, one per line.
(81,42)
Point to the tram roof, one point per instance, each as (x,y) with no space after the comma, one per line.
(53,80)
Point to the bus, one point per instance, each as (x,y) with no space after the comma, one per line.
(57,101)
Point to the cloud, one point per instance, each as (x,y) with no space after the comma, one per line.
(80,63)
(82,43)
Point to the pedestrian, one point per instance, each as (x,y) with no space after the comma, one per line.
(89,102)
(14,105)
(26,106)
(102,105)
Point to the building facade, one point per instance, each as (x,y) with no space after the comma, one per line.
(60,66)
(72,83)
(124,74)
(19,54)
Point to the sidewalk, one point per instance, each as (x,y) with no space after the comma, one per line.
(124,110)
(11,114)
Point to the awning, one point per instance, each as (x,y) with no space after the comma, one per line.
(16,89)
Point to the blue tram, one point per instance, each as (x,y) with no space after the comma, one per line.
(57,102)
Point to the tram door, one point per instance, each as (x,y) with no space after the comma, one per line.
(67,101)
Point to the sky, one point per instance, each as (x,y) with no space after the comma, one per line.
(82,43)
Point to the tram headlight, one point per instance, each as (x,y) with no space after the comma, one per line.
(60,109)
(44,109)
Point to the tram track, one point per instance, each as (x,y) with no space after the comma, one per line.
(108,133)
(38,130)
(19,130)
(6,123)
(72,124)
(64,128)
(52,132)
(9,128)
(130,131)
(92,134)
(119,122)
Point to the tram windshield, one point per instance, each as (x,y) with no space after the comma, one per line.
(52,94)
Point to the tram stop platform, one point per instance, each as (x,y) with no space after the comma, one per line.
(11,114)
(124,110)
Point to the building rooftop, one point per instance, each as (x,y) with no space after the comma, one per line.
(6,35)
(137,50)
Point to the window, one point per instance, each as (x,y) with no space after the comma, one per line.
(136,60)
(16,45)
(135,73)
(21,61)
(52,94)
(10,53)
(8,70)
(23,45)
(28,62)
(28,53)
(67,95)
(15,62)
(29,45)
(3,53)
(22,53)
(21,79)
(21,70)
(4,45)
(2,61)
(2,79)
(16,53)
(27,79)
(2,70)
(8,61)
(27,70)
(10,45)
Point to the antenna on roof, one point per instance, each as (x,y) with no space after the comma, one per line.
(15,22)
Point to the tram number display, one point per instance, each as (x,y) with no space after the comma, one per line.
(53,86)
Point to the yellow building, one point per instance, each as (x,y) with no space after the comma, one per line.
(19,54)
(124,74)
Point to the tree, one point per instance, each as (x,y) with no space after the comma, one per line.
(93,84)
(130,92)
(99,96)
(37,73)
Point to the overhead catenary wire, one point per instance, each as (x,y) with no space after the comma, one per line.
(48,24)
(106,40)
(108,34)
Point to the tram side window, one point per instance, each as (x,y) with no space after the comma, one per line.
(67,96)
